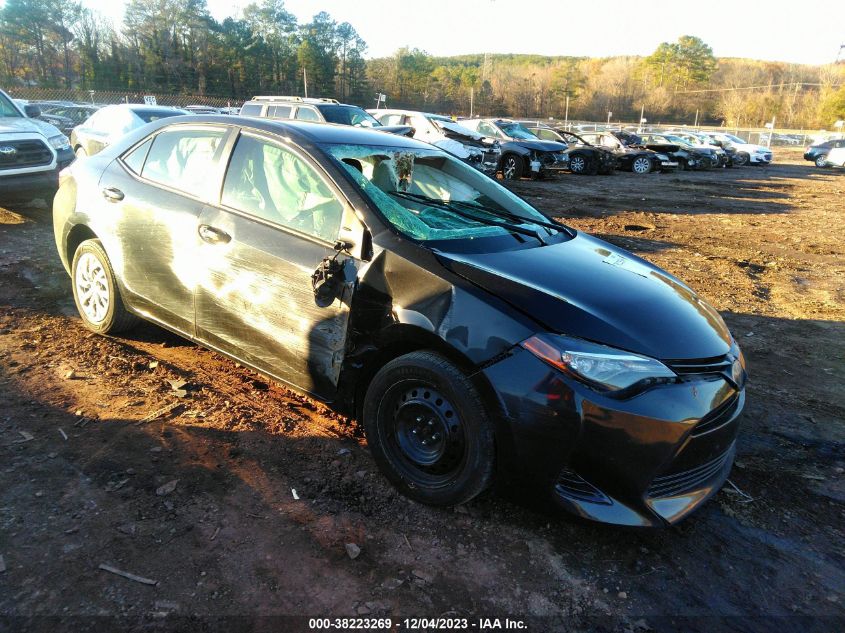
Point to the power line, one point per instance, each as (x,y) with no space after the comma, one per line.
(782,85)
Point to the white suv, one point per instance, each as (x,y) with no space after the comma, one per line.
(32,153)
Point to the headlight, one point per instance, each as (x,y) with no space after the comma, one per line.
(599,366)
(59,142)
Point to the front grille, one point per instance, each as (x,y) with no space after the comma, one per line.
(717,417)
(677,483)
(718,365)
(24,153)
(571,485)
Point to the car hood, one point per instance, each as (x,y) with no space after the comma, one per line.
(16,125)
(538,145)
(590,289)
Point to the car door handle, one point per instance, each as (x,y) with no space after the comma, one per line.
(213,235)
(113,194)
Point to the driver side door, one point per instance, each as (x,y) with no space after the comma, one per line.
(277,218)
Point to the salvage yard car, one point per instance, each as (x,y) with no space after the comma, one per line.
(323,110)
(469,333)
(818,152)
(687,156)
(636,159)
(523,154)
(448,135)
(746,153)
(835,157)
(110,123)
(586,160)
(32,153)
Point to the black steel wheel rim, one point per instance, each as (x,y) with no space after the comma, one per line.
(424,432)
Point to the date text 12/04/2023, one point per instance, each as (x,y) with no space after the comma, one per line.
(417,624)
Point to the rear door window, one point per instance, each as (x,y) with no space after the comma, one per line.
(279,111)
(270,182)
(307,114)
(184,158)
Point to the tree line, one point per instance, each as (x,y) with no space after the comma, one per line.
(177,47)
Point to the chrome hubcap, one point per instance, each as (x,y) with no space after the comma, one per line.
(641,165)
(92,288)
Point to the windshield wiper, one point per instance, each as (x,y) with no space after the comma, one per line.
(442,204)
(502,213)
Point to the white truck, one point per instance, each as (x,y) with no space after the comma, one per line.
(32,153)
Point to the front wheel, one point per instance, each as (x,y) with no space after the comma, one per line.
(641,165)
(512,167)
(95,291)
(821,160)
(741,159)
(428,430)
(581,164)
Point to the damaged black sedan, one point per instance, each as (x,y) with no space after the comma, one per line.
(472,336)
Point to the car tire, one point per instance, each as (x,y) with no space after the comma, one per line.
(821,160)
(513,167)
(80,152)
(428,430)
(641,165)
(582,164)
(741,159)
(95,291)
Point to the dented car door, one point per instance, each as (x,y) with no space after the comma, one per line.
(277,220)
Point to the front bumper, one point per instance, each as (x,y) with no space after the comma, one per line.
(26,186)
(761,159)
(648,460)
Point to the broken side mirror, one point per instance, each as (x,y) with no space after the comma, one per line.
(332,275)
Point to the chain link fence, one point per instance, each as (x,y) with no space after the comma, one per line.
(101,97)
(779,137)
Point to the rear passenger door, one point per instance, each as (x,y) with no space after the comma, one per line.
(278,217)
(159,189)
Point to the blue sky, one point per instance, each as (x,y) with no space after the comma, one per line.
(808,31)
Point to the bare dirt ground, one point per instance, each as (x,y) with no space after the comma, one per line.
(88,477)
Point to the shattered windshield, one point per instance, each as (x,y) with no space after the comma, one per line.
(515,130)
(7,108)
(428,195)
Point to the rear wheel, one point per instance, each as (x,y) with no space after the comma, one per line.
(428,429)
(513,167)
(821,160)
(641,165)
(95,292)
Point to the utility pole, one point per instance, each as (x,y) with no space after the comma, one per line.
(566,116)
(471,96)
(305,80)
(695,125)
